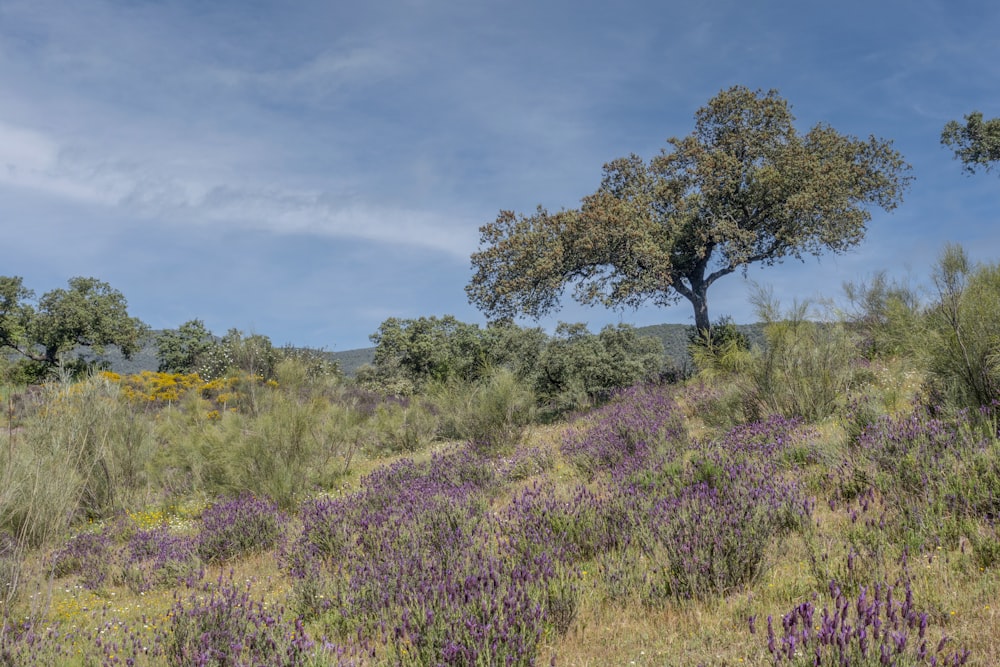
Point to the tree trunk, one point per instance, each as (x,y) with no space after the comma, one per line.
(699,299)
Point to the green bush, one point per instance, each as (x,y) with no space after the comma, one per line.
(402,427)
(805,368)
(493,413)
(963,348)
(578,369)
(501,409)
(87,450)
(887,316)
(296,437)
(722,351)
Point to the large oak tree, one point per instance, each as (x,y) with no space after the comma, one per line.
(743,188)
(90,313)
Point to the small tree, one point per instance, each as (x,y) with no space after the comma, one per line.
(744,188)
(578,368)
(185,349)
(976,144)
(89,313)
(253,355)
(429,349)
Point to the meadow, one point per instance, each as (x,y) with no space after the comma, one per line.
(803,505)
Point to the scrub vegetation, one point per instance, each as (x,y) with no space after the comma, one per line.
(827,494)
(827,497)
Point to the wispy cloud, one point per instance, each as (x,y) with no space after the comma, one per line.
(149,189)
(321,80)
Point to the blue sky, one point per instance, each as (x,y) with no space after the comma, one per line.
(305,169)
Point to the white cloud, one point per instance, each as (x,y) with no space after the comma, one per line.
(25,150)
(35,161)
(31,160)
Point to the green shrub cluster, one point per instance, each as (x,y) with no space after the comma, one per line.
(570,370)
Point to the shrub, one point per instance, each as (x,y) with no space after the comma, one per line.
(224,626)
(578,369)
(887,316)
(88,455)
(87,555)
(714,538)
(963,352)
(157,558)
(296,440)
(876,628)
(493,413)
(239,527)
(402,427)
(805,368)
(721,351)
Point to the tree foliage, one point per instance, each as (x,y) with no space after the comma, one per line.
(578,368)
(88,313)
(571,369)
(185,349)
(193,348)
(743,188)
(410,353)
(429,348)
(976,144)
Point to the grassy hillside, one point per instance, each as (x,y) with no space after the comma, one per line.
(663,528)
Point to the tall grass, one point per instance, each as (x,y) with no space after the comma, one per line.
(85,452)
(494,413)
(806,367)
(283,440)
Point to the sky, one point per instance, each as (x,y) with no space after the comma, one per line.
(305,170)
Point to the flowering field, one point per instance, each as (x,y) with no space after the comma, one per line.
(634,534)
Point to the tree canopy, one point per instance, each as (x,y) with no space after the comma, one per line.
(976,144)
(743,188)
(89,313)
(185,349)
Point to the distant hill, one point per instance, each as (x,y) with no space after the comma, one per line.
(676,337)
(351,360)
(143,360)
